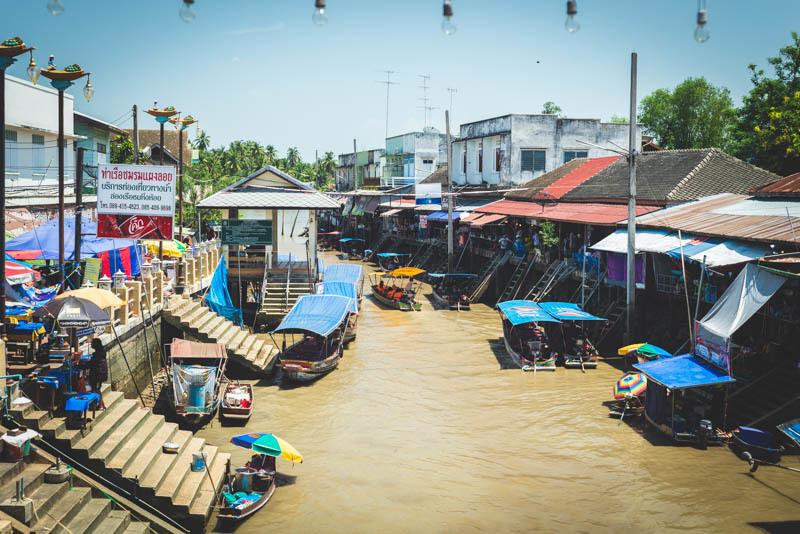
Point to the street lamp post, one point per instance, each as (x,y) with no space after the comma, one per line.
(181,125)
(162,116)
(9,50)
(61,80)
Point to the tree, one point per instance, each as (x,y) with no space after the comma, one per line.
(121,149)
(292,157)
(763,133)
(695,115)
(550,108)
(271,154)
(619,119)
(202,142)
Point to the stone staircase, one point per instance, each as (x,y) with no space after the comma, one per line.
(245,349)
(123,444)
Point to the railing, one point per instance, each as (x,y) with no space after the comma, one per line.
(288,282)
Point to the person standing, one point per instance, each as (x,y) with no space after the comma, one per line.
(98,369)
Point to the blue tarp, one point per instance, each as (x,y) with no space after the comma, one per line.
(451,275)
(343,272)
(390,254)
(442,216)
(524,311)
(344,289)
(45,238)
(567,311)
(320,314)
(219,299)
(684,371)
(348,239)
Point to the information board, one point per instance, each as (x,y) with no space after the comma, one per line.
(246,232)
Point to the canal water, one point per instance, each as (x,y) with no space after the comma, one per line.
(427,427)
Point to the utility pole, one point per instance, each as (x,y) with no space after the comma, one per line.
(135,134)
(355,167)
(78,211)
(451,90)
(450,198)
(388,84)
(632,152)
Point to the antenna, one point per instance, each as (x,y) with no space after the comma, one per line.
(451,90)
(424,98)
(388,84)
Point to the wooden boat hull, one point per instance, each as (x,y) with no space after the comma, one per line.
(301,371)
(236,412)
(765,454)
(239,514)
(396,304)
(575,363)
(350,330)
(547,365)
(445,302)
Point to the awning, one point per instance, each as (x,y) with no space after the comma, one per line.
(442,216)
(391,213)
(577,212)
(320,314)
(344,289)
(488,219)
(567,311)
(348,206)
(524,311)
(471,217)
(646,241)
(684,371)
(343,272)
(372,205)
(427,208)
(360,205)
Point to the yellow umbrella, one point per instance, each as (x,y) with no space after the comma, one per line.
(410,272)
(172,249)
(103,298)
(622,351)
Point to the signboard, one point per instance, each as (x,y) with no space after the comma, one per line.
(91,270)
(708,347)
(428,193)
(246,232)
(445,201)
(135,201)
(423,221)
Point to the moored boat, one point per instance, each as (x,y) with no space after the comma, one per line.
(448,292)
(345,272)
(396,292)
(389,261)
(352,248)
(344,289)
(197,371)
(579,353)
(237,402)
(524,336)
(320,322)
(758,443)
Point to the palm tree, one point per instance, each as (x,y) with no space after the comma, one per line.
(271,154)
(292,157)
(202,142)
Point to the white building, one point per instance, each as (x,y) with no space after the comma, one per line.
(514,149)
(413,156)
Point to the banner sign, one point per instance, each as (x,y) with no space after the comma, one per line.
(135,201)
(428,193)
(246,232)
(707,347)
(91,271)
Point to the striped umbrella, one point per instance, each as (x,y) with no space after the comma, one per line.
(268,444)
(633,384)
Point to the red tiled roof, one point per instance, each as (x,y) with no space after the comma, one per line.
(575,178)
(587,213)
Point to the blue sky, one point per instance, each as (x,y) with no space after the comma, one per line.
(259,69)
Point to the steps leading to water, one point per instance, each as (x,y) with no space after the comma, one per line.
(245,349)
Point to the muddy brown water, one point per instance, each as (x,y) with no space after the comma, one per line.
(427,427)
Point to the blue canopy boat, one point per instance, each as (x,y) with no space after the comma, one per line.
(320,321)
(346,272)
(524,337)
(344,289)
(578,350)
(389,261)
(352,248)
(446,290)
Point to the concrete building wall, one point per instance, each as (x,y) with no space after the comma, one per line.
(142,354)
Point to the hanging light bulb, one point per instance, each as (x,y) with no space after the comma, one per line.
(55,7)
(448,28)
(33,72)
(572,24)
(320,18)
(186,12)
(88,90)
(701,34)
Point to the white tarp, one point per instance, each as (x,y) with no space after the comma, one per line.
(731,252)
(743,298)
(645,241)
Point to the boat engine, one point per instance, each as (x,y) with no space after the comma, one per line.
(704,430)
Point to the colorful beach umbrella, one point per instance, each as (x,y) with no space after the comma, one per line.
(633,384)
(173,249)
(268,444)
(651,352)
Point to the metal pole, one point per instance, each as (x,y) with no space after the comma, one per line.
(60,185)
(180,184)
(2,201)
(355,168)
(686,291)
(161,162)
(450,197)
(583,268)
(632,151)
(699,292)
(135,134)
(78,211)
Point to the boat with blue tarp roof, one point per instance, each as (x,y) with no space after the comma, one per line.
(524,335)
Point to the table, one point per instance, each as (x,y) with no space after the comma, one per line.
(81,403)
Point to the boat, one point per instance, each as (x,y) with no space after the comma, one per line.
(524,335)
(628,394)
(345,272)
(237,402)
(349,290)
(197,372)
(396,293)
(579,353)
(250,487)
(389,261)
(757,443)
(447,293)
(320,322)
(352,248)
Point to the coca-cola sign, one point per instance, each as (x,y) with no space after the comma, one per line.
(135,201)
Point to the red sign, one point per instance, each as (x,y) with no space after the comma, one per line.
(134,226)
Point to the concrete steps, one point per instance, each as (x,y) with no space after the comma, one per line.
(243,348)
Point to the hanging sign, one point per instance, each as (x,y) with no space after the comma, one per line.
(428,193)
(135,201)
(246,232)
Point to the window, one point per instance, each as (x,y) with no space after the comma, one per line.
(101,148)
(533,160)
(427,161)
(11,150)
(464,161)
(480,155)
(569,155)
(37,153)
(497,157)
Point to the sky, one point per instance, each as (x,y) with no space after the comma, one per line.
(261,70)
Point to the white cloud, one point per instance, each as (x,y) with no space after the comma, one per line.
(278,26)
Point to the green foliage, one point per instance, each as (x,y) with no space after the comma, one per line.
(761,136)
(121,149)
(619,119)
(549,237)
(695,115)
(550,108)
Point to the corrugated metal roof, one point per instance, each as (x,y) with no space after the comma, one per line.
(734,216)
(256,198)
(586,213)
(788,186)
